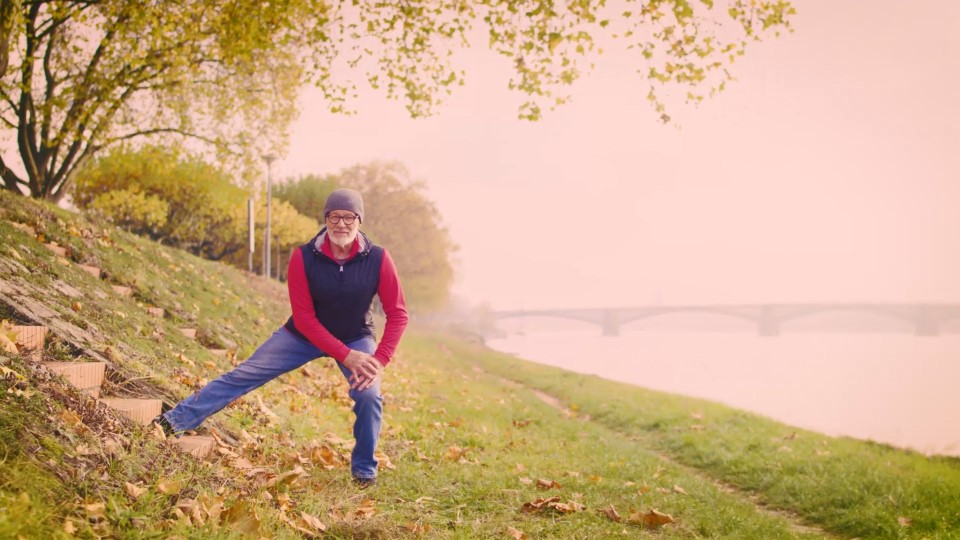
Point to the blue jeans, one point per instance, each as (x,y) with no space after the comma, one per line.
(281,353)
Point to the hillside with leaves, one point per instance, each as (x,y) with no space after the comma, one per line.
(476,444)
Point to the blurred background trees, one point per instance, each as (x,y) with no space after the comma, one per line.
(178,199)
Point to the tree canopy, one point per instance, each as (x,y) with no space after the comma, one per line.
(77,76)
(182,201)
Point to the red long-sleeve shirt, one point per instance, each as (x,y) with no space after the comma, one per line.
(305,317)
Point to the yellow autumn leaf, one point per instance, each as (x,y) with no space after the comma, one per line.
(7,344)
(133,490)
(168,487)
(654,519)
(242,518)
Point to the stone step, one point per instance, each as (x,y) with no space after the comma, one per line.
(87,376)
(196,445)
(122,291)
(141,411)
(59,250)
(24,227)
(30,340)
(190,333)
(155,311)
(92,270)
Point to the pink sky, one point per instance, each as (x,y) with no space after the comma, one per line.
(828,171)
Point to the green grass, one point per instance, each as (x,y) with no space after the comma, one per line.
(852,487)
(466,446)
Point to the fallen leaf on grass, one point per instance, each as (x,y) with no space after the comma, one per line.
(455,452)
(241,517)
(417,528)
(904,521)
(68,527)
(70,418)
(611,514)
(539,504)
(264,409)
(679,489)
(517,534)
(525,481)
(133,490)
(241,463)
(568,507)
(306,524)
(25,394)
(544,483)
(168,487)
(288,477)
(552,504)
(651,519)
(366,509)
(96,511)
(521,423)
(383,461)
(8,344)
(113,444)
(312,521)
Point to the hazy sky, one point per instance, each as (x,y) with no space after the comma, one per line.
(827,172)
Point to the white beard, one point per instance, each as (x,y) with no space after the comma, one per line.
(342,241)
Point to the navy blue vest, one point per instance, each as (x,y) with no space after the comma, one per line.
(342,294)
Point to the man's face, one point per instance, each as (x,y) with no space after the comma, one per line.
(342,233)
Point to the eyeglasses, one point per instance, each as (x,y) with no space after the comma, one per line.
(347,220)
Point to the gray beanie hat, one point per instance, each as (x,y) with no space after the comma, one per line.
(344,199)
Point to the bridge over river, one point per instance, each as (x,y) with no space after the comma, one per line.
(926,319)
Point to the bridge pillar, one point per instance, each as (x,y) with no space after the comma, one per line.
(926,324)
(769,324)
(611,323)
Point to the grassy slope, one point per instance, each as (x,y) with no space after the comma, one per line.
(465,447)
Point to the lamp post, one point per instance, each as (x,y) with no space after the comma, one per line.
(268,159)
(250,238)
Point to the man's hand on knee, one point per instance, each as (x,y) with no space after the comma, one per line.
(364,369)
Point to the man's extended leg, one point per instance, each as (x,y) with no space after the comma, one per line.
(368,408)
(281,353)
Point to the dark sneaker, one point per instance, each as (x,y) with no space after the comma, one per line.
(364,483)
(164,425)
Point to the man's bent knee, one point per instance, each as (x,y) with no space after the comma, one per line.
(368,395)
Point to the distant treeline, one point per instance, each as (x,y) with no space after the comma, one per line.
(178,199)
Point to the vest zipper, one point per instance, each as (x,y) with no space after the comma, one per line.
(341,273)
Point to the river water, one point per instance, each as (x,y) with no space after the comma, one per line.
(893,388)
